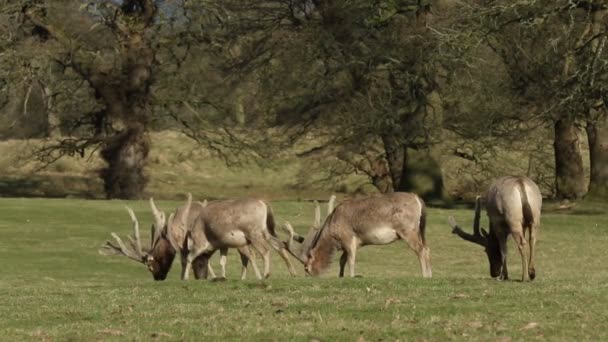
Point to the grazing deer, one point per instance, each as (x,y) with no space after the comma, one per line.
(376,220)
(166,239)
(237,223)
(513,205)
(300,250)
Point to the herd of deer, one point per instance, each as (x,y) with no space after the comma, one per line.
(197,230)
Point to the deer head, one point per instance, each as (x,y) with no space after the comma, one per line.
(481,237)
(159,257)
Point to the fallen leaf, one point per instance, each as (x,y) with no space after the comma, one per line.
(459,296)
(112,332)
(529,326)
(159,334)
(475,324)
(390,301)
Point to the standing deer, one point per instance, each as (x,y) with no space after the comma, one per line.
(300,250)
(377,220)
(239,224)
(513,205)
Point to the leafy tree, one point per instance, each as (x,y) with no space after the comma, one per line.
(109,71)
(360,73)
(553,53)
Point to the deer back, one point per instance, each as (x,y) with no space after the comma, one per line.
(366,215)
(230,223)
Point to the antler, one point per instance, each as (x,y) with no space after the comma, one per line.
(293,236)
(135,253)
(317,221)
(159,222)
(187,210)
(476,237)
(331,204)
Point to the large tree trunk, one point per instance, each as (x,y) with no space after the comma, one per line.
(126,156)
(597,134)
(396,155)
(569,173)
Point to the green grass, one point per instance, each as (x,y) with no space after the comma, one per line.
(55,286)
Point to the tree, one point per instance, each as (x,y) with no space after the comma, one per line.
(110,71)
(360,73)
(110,49)
(552,52)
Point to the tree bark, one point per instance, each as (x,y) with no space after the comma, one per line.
(395,156)
(597,135)
(126,156)
(569,173)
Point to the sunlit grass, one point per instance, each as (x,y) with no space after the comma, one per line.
(55,286)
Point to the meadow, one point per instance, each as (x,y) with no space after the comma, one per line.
(56,287)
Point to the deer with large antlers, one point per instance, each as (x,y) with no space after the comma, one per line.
(376,220)
(513,205)
(166,239)
(299,245)
(240,224)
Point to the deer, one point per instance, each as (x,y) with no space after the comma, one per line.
(375,220)
(235,223)
(300,249)
(166,239)
(513,205)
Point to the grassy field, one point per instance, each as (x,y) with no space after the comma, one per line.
(56,287)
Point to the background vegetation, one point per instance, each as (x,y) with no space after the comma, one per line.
(403,94)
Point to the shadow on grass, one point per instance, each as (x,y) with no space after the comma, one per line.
(51,186)
(581,208)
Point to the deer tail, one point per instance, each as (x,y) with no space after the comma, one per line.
(525,204)
(422,224)
(270,223)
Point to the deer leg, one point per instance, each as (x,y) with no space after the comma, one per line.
(283,253)
(343,260)
(185,268)
(426,260)
(247,253)
(520,240)
(261,248)
(414,241)
(502,243)
(223,254)
(244,262)
(532,238)
(351,253)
